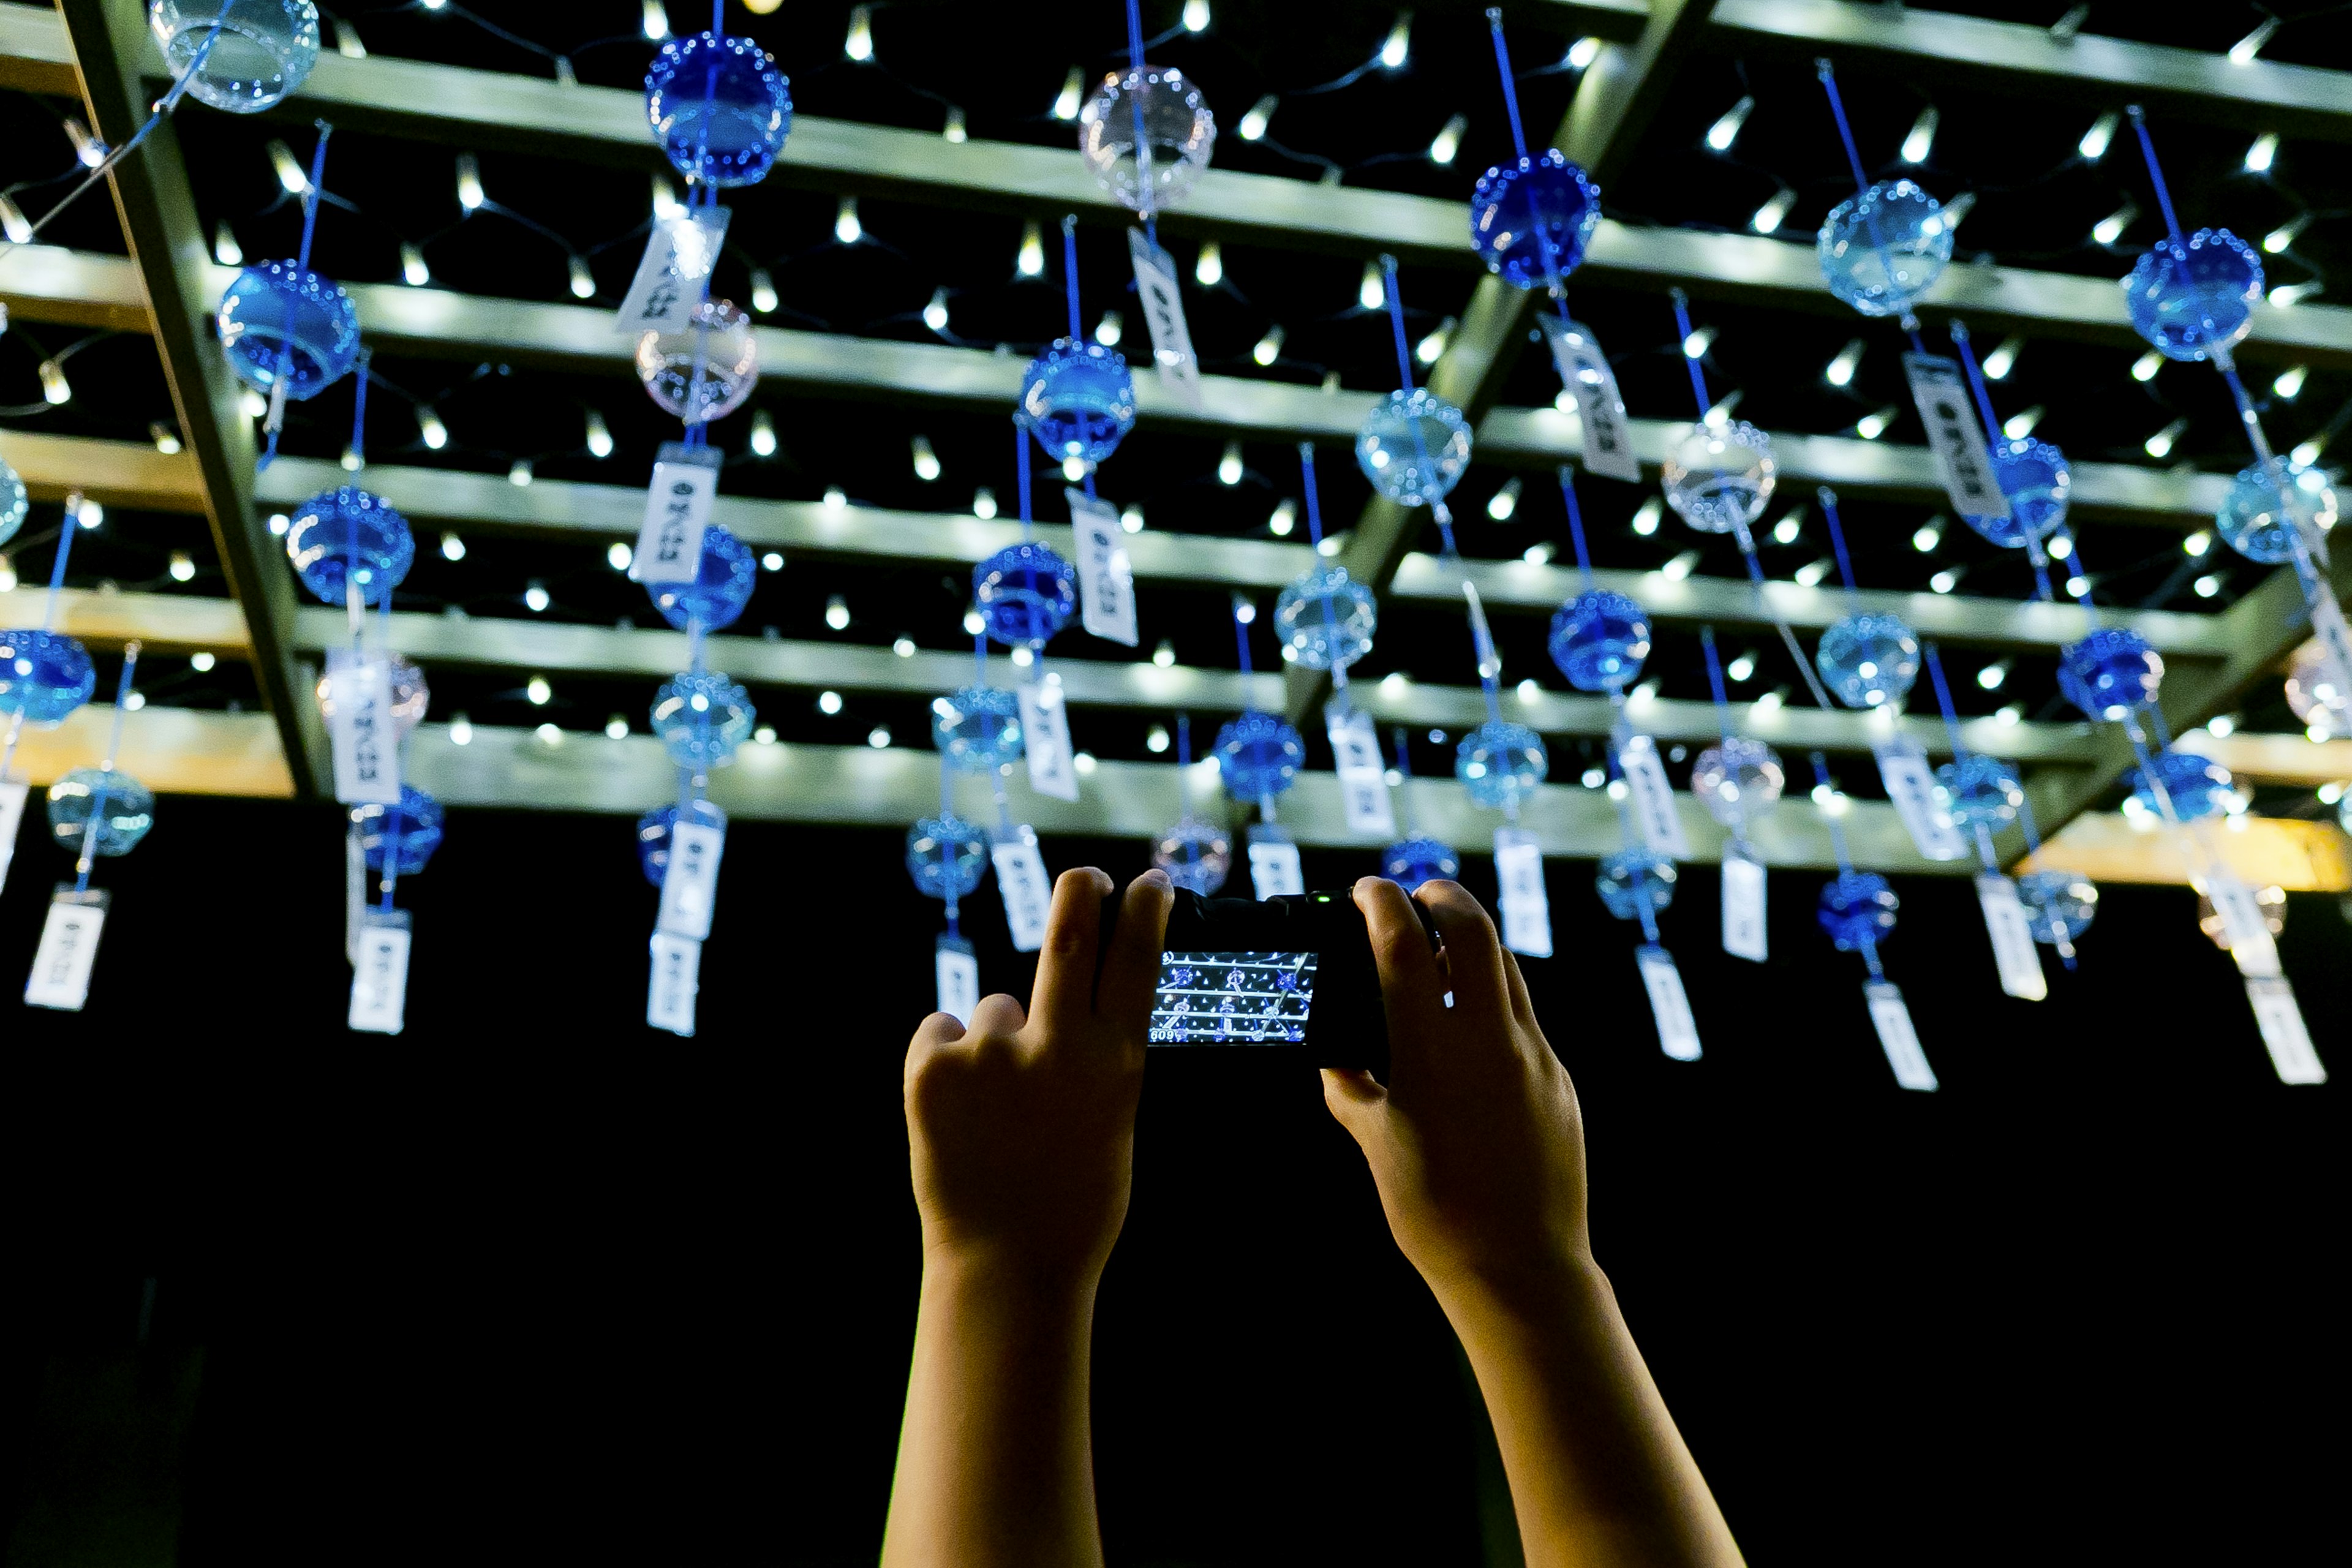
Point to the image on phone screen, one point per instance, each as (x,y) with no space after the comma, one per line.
(1233,998)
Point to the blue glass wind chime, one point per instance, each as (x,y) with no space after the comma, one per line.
(720,111)
(2192,298)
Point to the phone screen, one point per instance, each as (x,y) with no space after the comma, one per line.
(1233,998)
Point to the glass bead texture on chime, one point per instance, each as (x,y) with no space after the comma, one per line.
(1855,906)
(1599,639)
(2264,513)
(1079,399)
(1881,248)
(1633,878)
(414,829)
(1195,854)
(411,696)
(701,719)
(2191,296)
(718,107)
(2059,905)
(1531,220)
(346,533)
(721,340)
(977,728)
(1737,781)
(654,835)
(264,50)
(1411,862)
(1868,661)
(1326,618)
(723,580)
(1179,132)
(2197,786)
(1718,477)
(2110,672)
(2034,477)
(123,808)
(1026,594)
(1414,447)
(945,855)
(13,503)
(1259,754)
(276,313)
(2312,697)
(43,675)
(1499,763)
(1978,791)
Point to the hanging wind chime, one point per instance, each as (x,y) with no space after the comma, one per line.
(1325,620)
(1857,911)
(43,676)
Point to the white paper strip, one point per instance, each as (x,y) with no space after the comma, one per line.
(1653,798)
(1892,1020)
(956,971)
(667,288)
(1274,871)
(2013,952)
(1105,579)
(60,976)
(1045,737)
(1955,435)
(1526,909)
(1678,1030)
(380,978)
(2336,648)
(2241,922)
(1028,892)
(1363,774)
(676,975)
(355,896)
(366,747)
(1743,904)
(12,816)
(690,885)
(1911,786)
(677,509)
(1584,372)
(1163,313)
(2281,1021)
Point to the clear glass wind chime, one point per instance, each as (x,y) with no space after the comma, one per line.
(1600,640)
(1417,858)
(1195,852)
(1325,621)
(721,113)
(45,675)
(1259,755)
(1738,780)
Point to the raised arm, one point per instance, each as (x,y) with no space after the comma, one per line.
(1477,1148)
(1022,1132)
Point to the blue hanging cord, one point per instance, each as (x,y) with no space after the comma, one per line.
(1828,497)
(1070,272)
(94,823)
(1845,131)
(1976,388)
(1715,681)
(2155,172)
(1682,338)
(1241,634)
(718,18)
(280,388)
(1845,861)
(1944,701)
(359,414)
(1576,524)
(1314,507)
(1021,468)
(1396,321)
(1511,88)
(57,566)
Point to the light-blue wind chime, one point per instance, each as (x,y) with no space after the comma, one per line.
(2192,296)
(45,675)
(721,112)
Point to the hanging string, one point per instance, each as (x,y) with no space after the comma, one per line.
(2155,172)
(1145,194)
(281,384)
(1682,346)
(1396,321)
(1959,751)
(95,823)
(1576,525)
(1715,682)
(1241,632)
(2034,553)
(1845,131)
(1405,779)
(948,844)
(1021,468)
(48,614)
(1315,537)
(1828,497)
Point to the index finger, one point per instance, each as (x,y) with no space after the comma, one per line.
(1412,985)
(1063,997)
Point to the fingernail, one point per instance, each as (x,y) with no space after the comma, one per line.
(1158,878)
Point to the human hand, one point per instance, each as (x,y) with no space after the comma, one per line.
(1475,1143)
(1023,1126)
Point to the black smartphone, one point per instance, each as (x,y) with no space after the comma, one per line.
(1292,974)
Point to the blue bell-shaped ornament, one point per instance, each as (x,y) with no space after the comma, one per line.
(1078,400)
(719,108)
(702,719)
(261,49)
(2191,297)
(1414,447)
(946,855)
(2269,508)
(43,675)
(2110,672)
(1632,878)
(348,534)
(1326,618)
(1195,854)
(121,808)
(1531,220)
(277,312)
(977,728)
(1599,639)
(1868,661)
(1883,248)
(1026,594)
(2033,475)
(415,827)
(1857,908)
(1259,755)
(1411,862)
(1500,764)
(1719,476)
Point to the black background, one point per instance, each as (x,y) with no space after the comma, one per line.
(529,1281)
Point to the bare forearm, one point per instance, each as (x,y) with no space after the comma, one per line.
(1598,1474)
(995,1461)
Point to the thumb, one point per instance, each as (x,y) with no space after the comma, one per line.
(1356,1099)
